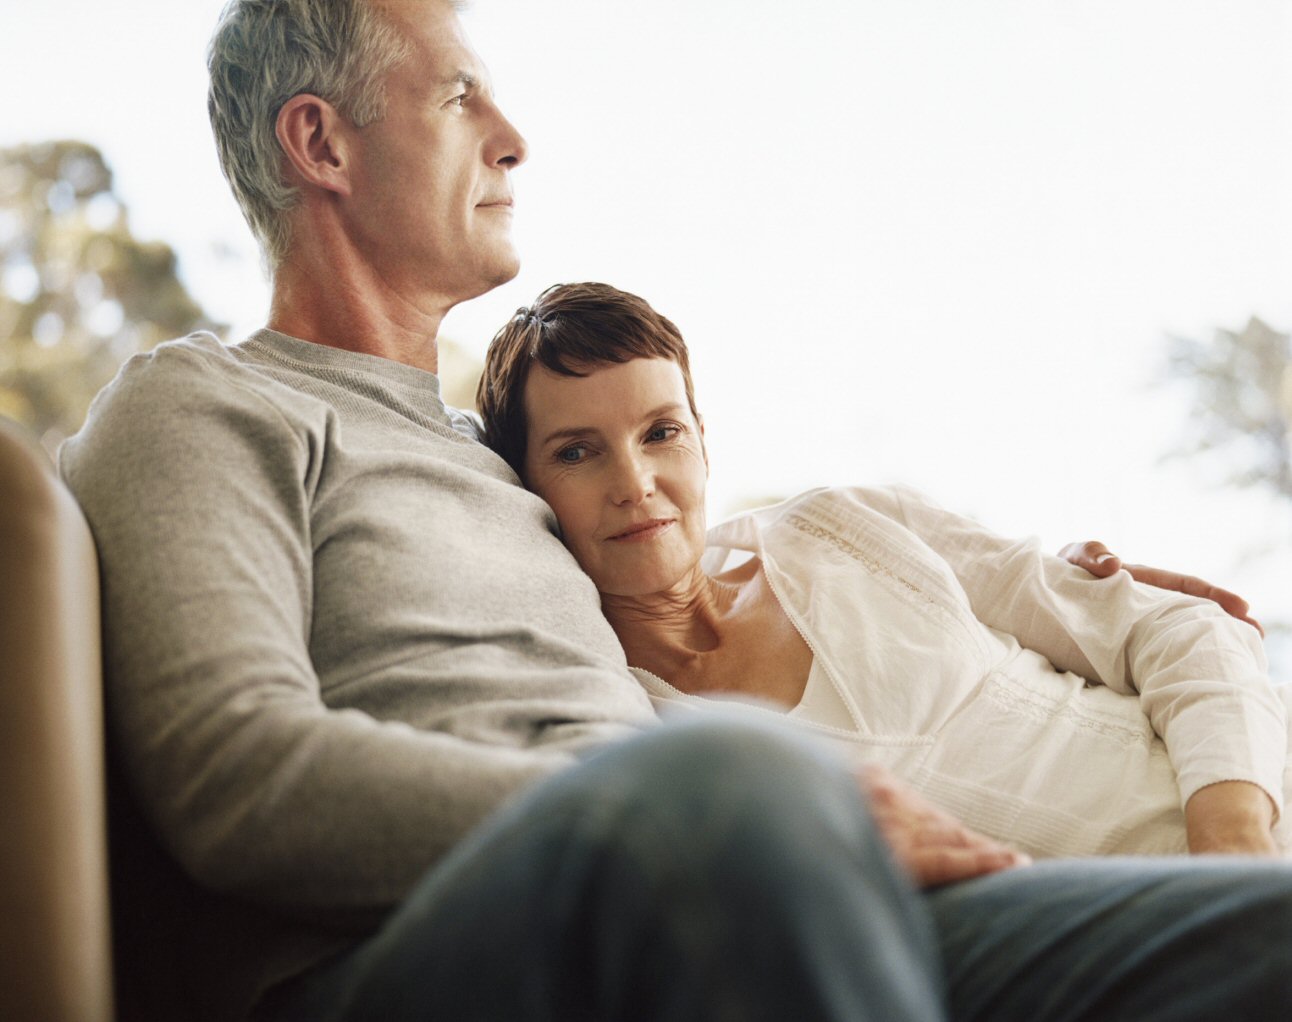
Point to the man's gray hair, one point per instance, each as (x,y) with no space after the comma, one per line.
(262,54)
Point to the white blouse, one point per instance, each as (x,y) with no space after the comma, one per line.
(1064,714)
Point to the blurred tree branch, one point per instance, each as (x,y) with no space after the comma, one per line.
(79,294)
(1242,386)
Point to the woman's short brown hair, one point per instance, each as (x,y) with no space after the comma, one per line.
(570,329)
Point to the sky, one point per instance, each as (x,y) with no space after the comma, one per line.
(933,241)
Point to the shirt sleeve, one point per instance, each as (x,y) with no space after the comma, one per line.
(198,498)
(1200,675)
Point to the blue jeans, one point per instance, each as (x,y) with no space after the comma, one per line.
(721,870)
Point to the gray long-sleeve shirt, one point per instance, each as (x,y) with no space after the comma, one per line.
(338,633)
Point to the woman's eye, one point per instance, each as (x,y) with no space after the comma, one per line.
(571,455)
(662,433)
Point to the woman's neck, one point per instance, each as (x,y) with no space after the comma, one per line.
(678,632)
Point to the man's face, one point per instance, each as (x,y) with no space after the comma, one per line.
(431,200)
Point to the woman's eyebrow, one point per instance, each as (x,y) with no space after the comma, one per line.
(567,433)
(573,432)
(664,409)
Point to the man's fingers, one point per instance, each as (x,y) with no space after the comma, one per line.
(1231,603)
(1093,556)
(1163,579)
(1097,559)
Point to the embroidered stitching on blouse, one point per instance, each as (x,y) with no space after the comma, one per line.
(1039,829)
(1039,708)
(843,546)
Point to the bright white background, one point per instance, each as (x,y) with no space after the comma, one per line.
(941,241)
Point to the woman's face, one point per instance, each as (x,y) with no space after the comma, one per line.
(618,456)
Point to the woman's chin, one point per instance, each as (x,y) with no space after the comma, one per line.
(641,585)
(625,589)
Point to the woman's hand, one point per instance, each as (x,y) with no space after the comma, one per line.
(1232,818)
(933,846)
(1096,559)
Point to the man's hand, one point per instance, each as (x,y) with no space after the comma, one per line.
(933,846)
(1232,817)
(1096,559)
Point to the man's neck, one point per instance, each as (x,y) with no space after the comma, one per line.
(347,304)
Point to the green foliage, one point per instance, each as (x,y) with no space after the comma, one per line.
(79,294)
(1242,402)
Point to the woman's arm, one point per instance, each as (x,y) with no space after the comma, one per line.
(1199,674)
(1230,817)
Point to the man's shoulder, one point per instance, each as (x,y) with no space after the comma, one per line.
(200,359)
(183,354)
(199,373)
(179,394)
(173,375)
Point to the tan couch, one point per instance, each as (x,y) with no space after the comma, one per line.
(55,962)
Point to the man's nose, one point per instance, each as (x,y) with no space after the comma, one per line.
(509,148)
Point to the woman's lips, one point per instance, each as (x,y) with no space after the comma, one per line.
(643,531)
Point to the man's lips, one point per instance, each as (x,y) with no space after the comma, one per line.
(640,532)
(497,204)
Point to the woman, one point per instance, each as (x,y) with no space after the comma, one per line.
(1063,714)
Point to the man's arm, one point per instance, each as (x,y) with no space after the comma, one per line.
(198,491)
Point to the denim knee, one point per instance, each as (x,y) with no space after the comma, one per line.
(730,755)
(713,868)
(690,788)
(747,852)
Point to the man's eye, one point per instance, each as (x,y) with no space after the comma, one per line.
(458,100)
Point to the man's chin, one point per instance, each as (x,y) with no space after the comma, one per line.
(506,272)
(496,274)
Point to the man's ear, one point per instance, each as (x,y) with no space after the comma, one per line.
(313,138)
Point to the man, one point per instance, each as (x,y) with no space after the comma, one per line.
(388,758)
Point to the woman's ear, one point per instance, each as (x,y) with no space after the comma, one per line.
(704,449)
(313,138)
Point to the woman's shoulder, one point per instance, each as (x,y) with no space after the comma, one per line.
(893,501)
(879,518)
(872,517)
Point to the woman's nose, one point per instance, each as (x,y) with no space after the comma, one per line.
(633,482)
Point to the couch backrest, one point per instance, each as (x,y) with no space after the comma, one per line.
(54,931)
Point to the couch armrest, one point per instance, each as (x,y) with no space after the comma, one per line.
(54,930)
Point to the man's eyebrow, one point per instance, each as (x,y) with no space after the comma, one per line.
(463,78)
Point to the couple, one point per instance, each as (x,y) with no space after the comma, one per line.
(1062,714)
(381,755)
